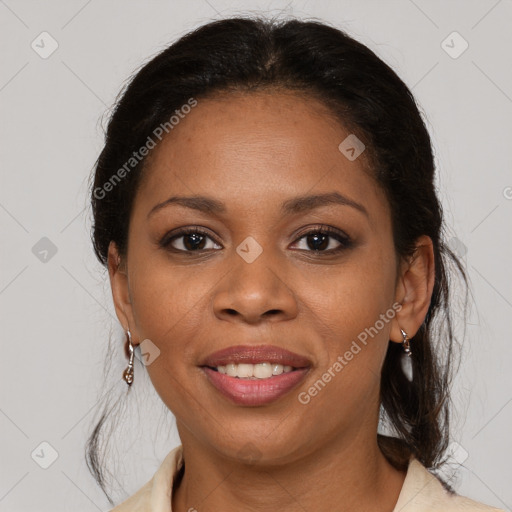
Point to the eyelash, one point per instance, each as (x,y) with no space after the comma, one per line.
(344,240)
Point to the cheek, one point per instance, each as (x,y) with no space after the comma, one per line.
(168,305)
(349,305)
(354,343)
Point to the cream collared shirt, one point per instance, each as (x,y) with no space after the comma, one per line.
(421,491)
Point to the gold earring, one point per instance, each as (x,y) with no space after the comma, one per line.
(128,373)
(405,343)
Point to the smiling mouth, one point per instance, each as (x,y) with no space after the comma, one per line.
(244,389)
(250,371)
(254,375)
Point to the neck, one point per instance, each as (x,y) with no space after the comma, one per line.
(340,475)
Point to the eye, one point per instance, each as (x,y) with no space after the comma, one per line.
(187,240)
(193,239)
(320,240)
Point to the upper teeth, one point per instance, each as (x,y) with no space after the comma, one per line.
(258,371)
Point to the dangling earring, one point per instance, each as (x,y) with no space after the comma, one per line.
(405,343)
(406,362)
(128,373)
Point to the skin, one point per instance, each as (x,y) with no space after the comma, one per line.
(252,152)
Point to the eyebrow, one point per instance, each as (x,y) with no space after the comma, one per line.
(295,205)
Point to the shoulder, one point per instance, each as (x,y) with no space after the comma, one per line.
(423,492)
(155,495)
(138,502)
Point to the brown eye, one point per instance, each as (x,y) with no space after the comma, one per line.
(325,239)
(188,240)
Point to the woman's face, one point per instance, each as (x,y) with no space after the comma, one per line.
(252,276)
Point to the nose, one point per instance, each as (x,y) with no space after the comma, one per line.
(254,292)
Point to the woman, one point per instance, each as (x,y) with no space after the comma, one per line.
(266,208)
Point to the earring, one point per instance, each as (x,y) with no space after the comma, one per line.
(128,373)
(405,343)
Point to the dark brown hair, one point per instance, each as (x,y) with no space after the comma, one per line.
(365,94)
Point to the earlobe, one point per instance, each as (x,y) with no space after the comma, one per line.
(119,286)
(414,290)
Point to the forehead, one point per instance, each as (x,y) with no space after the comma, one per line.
(250,148)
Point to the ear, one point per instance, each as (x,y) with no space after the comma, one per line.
(120,289)
(414,289)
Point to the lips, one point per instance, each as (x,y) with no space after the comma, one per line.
(259,392)
(255,354)
(255,391)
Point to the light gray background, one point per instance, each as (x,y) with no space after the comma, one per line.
(57,314)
